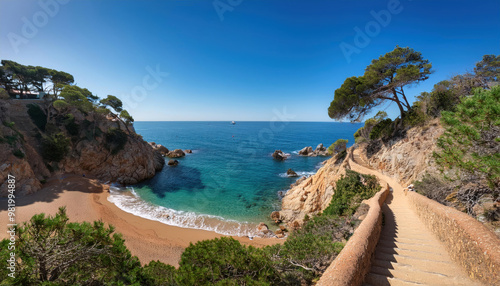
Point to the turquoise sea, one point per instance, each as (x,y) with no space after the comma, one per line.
(230,182)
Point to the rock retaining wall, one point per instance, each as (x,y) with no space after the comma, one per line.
(468,242)
(354,261)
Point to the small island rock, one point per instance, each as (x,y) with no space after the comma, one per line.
(279,155)
(188,151)
(306,151)
(291,173)
(177,153)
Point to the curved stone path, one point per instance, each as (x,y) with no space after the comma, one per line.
(407,252)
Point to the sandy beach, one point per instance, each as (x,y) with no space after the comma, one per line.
(86,200)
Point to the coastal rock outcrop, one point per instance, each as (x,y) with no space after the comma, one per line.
(319,151)
(291,173)
(159,148)
(177,153)
(306,151)
(406,159)
(279,155)
(310,195)
(262,228)
(90,149)
(188,151)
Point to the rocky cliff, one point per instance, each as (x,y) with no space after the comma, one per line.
(406,159)
(88,151)
(311,195)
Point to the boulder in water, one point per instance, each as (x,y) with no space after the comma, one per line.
(291,173)
(177,153)
(320,148)
(306,151)
(188,151)
(173,162)
(279,155)
(262,228)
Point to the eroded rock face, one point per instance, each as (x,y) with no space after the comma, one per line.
(135,162)
(159,148)
(310,195)
(407,159)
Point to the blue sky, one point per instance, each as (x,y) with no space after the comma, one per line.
(186,60)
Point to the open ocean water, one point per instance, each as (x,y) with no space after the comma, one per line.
(230,182)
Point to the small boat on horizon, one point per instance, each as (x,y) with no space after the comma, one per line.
(232,122)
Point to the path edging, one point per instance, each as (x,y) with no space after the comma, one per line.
(468,242)
(354,261)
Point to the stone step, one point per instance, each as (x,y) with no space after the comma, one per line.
(381,280)
(411,246)
(386,253)
(427,265)
(410,274)
(411,240)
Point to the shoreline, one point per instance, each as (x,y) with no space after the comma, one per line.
(86,200)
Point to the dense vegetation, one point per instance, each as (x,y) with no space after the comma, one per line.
(350,191)
(468,108)
(53,251)
(68,113)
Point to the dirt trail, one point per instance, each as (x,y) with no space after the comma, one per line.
(407,252)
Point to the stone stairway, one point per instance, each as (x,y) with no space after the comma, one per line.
(407,252)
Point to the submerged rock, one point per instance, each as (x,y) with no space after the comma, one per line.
(173,162)
(188,151)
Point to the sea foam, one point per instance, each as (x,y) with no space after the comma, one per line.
(129,201)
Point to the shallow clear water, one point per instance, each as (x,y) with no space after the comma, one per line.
(230,182)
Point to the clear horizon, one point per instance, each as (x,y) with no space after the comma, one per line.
(203,61)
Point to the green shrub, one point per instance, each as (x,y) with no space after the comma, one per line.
(53,251)
(224,261)
(19,154)
(71,126)
(415,116)
(470,142)
(55,147)
(382,129)
(11,139)
(158,273)
(350,191)
(9,124)
(338,146)
(37,115)
(116,140)
(4,94)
